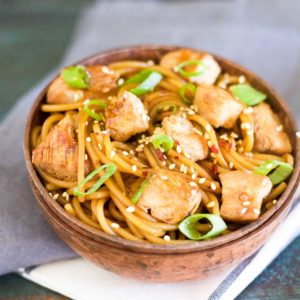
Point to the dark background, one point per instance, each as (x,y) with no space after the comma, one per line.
(33,37)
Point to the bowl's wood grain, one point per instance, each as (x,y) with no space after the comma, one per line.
(164,262)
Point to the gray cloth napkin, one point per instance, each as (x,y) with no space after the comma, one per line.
(264,36)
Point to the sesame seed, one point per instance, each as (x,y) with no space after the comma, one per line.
(194,192)
(213,186)
(206,135)
(246,126)
(115,225)
(96,122)
(193,183)
(120,81)
(167,238)
(209,143)
(105,131)
(172,166)
(224,136)
(194,176)
(279,128)
(250,132)
(184,115)
(105,70)
(164,177)
(50,194)
(130,209)
(240,150)
(207,127)
(100,146)
(234,135)
(178,149)
(185,170)
(248,110)
(86,123)
(192,169)
(242,79)
(88,139)
(86,157)
(191,112)
(246,203)
(150,62)
(164,163)
(105,90)
(274,202)
(197,131)
(112,153)
(134,168)
(269,166)
(256,211)
(55,197)
(231,164)
(202,180)
(125,153)
(131,152)
(186,155)
(298,134)
(211,204)
(213,155)
(244,210)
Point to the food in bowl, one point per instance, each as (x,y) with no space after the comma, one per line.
(173,151)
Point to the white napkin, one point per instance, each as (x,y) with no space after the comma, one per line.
(263,39)
(79,279)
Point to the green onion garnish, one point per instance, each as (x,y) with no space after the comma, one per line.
(182,92)
(181,71)
(90,112)
(148,84)
(162,141)
(110,170)
(247,94)
(139,77)
(76,77)
(281,170)
(140,190)
(187,227)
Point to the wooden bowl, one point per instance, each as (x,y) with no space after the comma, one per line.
(162,263)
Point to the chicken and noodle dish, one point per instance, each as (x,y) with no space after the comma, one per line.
(171,151)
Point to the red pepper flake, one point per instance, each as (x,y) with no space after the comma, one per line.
(223,143)
(145,173)
(214,149)
(176,157)
(159,154)
(214,169)
(176,142)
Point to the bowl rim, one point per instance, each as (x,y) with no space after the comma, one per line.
(285,199)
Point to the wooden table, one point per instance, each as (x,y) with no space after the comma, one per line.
(34,35)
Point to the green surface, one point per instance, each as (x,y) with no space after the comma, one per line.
(34,35)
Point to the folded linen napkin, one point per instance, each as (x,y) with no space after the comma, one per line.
(262,35)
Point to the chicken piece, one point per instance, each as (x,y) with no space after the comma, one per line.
(170,196)
(57,155)
(242,195)
(217,106)
(212,68)
(126,116)
(269,136)
(102,80)
(183,132)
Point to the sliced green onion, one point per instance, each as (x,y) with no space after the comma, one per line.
(247,94)
(181,71)
(76,77)
(281,170)
(182,92)
(140,190)
(110,170)
(162,141)
(148,84)
(139,77)
(187,227)
(91,113)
